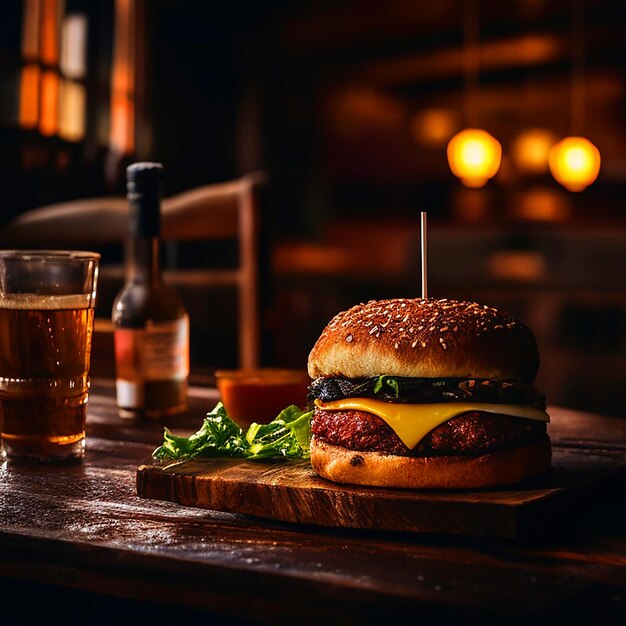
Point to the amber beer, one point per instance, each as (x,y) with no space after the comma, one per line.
(45,344)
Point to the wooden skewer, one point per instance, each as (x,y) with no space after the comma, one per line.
(424,263)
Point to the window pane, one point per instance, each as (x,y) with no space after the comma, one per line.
(72,122)
(74,46)
(29,96)
(49,120)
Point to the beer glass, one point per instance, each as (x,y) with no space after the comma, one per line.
(47,300)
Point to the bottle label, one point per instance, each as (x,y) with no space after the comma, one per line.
(130,395)
(160,351)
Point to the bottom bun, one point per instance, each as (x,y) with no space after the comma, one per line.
(376,469)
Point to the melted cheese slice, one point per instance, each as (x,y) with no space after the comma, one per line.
(412,422)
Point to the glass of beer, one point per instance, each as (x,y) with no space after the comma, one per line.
(47,300)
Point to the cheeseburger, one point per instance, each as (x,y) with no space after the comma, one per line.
(426,393)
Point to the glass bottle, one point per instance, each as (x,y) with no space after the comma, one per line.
(151,324)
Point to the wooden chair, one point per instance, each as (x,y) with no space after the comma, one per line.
(223,211)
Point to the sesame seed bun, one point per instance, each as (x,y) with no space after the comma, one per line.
(425,338)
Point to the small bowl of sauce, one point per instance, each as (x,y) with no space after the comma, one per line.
(259,395)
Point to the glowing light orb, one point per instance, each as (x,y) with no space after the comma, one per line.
(575,163)
(474,156)
(531,150)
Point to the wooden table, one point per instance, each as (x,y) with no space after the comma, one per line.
(79,537)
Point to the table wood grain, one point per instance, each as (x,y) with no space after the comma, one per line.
(81,532)
(292,492)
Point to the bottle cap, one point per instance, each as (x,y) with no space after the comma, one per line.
(143,170)
(143,177)
(143,187)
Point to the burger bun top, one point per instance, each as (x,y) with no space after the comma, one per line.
(425,338)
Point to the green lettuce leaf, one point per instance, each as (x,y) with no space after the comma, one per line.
(287,436)
(386,380)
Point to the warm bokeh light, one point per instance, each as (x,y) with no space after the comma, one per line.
(50,31)
(521,265)
(474,156)
(541,204)
(122,128)
(531,148)
(434,127)
(74,46)
(49,113)
(575,163)
(30,29)
(72,117)
(29,96)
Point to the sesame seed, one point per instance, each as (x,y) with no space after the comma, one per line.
(349,338)
(373,330)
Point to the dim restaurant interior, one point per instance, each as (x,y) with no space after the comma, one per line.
(339,123)
(349,115)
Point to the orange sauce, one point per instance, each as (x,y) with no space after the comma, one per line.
(260,395)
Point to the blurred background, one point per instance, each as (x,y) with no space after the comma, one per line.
(355,110)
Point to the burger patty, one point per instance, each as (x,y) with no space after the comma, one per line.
(471,433)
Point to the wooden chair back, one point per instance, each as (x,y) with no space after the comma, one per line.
(229,210)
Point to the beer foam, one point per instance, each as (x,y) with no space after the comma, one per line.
(38,302)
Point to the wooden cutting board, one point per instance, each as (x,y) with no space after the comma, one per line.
(291,492)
